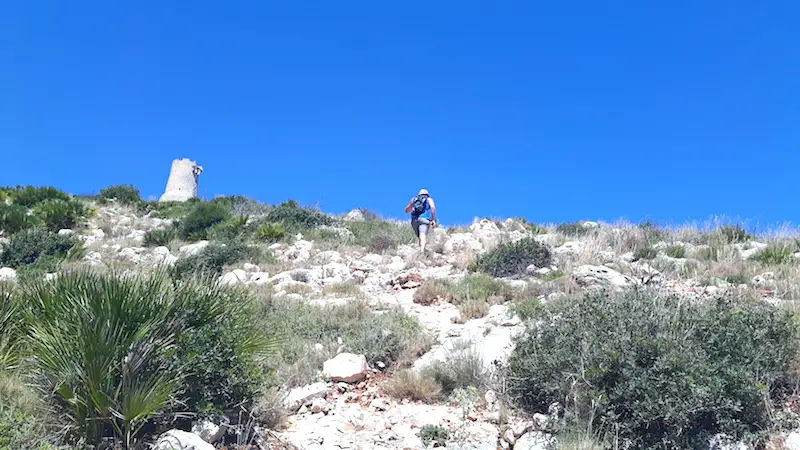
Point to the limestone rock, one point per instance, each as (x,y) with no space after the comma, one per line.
(8,274)
(235,276)
(346,367)
(792,441)
(193,249)
(301,396)
(181,440)
(591,276)
(460,242)
(210,431)
(182,182)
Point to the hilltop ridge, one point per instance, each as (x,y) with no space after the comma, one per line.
(472,345)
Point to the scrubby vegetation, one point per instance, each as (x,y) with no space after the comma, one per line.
(658,371)
(513,258)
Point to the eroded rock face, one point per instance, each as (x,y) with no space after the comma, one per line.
(182,182)
(346,367)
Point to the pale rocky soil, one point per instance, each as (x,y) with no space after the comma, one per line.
(356,413)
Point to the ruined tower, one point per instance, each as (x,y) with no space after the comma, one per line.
(182,182)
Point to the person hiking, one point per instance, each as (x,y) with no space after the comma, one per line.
(423,216)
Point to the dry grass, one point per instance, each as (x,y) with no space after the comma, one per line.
(413,385)
(472,309)
(432,291)
(345,290)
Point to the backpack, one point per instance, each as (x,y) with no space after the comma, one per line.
(420,205)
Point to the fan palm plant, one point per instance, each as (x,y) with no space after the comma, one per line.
(104,343)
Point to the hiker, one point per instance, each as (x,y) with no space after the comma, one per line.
(423,216)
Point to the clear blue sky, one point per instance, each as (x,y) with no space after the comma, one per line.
(554,111)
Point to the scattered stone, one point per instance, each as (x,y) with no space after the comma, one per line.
(193,249)
(347,367)
(379,404)
(592,276)
(235,276)
(66,232)
(210,431)
(7,274)
(301,396)
(248,267)
(181,440)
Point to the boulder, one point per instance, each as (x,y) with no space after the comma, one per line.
(346,367)
(8,274)
(193,249)
(594,276)
(181,440)
(304,395)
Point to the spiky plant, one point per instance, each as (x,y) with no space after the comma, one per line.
(105,343)
(10,329)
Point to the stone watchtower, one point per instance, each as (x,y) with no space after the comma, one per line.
(182,183)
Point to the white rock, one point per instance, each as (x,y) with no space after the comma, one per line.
(379,404)
(193,249)
(571,248)
(460,242)
(94,258)
(66,232)
(248,267)
(8,274)
(347,367)
(328,257)
(181,440)
(320,405)
(210,431)
(549,239)
(534,440)
(589,275)
(259,278)
(300,396)
(355,215)
(724,442)
(792,441)
(235,276)
(487,233)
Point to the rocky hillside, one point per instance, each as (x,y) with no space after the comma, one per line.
(234,324)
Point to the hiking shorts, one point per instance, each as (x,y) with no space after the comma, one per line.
(421,226)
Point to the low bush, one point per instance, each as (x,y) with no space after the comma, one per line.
(573,229)
(676,251)
(30,196)
(57,214)
(646,253)
(388,338)
(125,194)
(40,248)
(414,385)
(527,308)
(659,372)
(229,230)
(201,218)
(513,258)
(378,235)
(210,261)
(432,291)
(160,237)
(481,287)
(775,254)
(117,351)
(435,435)
(296,218)
(14,218)
(271,232)
(734,234)
(463,368)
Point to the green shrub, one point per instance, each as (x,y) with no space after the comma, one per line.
(296,218)
(735,233)
(378,235)
(710,253)
(37,247)
(10,330)
(386,338)
(676,251)
(201,217)
(271,232)
(170,210)
(645,253)
(775,254)
(125,194)
(527,309)
(553,275)
(463,368)
(513,258)
(210,261)
(434,434)
(60,214)
(30,196)
(573,229)
(230,229)
(112,349)
(160,237)
(736,279)
(481,287)
(658,371)
(24,424)
(14,218)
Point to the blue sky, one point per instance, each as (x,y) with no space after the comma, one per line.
(553,111)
